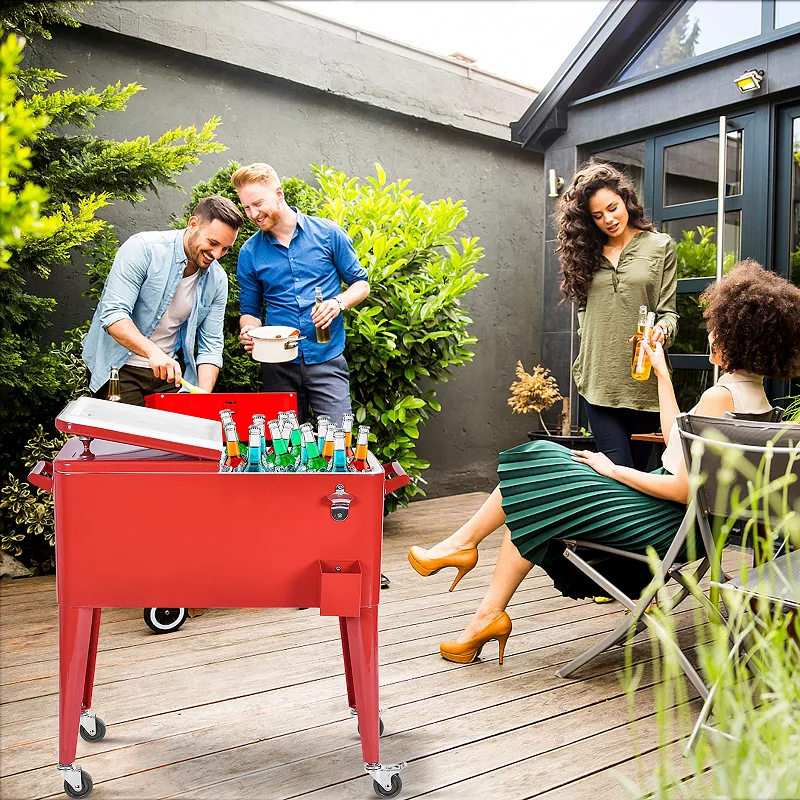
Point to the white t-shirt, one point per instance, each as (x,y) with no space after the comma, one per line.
(165,335)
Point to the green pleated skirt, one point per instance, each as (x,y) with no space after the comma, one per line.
(548,496)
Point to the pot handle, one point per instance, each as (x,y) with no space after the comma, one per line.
(42,476)
(292,344)
(394,477)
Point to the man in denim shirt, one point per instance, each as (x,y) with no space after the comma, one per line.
(165,292)
(279,268)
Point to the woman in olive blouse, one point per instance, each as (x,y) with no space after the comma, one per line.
(613,262)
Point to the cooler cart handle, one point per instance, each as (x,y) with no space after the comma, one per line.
(395,477)
(42,476)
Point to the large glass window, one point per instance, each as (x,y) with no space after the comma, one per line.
(696,243)
(629,160)
(690,169)
(698,27)
(794,222)
(692,335)
(787,12)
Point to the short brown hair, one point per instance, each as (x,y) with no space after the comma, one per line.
(755,316)
(216,206)
(255,173)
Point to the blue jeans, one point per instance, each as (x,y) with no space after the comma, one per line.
(612,429)
(322,388)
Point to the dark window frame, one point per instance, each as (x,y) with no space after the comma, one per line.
(754,43)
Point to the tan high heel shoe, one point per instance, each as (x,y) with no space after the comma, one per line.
(465,652)
(464,561)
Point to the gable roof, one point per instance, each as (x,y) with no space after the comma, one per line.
(615,36)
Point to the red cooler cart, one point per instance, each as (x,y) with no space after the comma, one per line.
(310,540)
(208,406)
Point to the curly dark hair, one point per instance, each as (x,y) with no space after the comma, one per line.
(580,241)
(755,317)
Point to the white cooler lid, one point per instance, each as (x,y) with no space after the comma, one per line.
(141,426)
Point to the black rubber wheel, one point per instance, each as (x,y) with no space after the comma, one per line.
(397,785)
(87,785)
(380,727)
(99,731)
(165,620)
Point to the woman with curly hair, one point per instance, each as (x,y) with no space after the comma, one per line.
(613,262)
(547,492)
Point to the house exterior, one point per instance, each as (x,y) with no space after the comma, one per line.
(645,89)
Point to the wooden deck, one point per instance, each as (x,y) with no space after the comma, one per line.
(250,703)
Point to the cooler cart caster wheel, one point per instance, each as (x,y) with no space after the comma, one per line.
(380,730)
(86,787)
(165,620)
(99,733)
(397,785)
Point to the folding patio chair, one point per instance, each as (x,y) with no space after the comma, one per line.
(698,517)
(776,582)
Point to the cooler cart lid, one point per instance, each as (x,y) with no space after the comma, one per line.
(145,427)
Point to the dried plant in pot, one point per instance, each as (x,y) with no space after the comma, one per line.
(538,391)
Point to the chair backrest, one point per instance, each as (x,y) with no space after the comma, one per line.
(766,449)
(775,414)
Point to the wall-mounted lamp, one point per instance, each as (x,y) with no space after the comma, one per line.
(554,183)
(750,80)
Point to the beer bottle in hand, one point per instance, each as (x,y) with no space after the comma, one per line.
(640,369)
(113,386)
(323,334)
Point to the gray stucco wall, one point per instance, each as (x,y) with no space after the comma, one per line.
(289,125)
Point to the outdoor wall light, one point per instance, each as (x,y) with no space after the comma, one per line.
(750,80)
(554,183)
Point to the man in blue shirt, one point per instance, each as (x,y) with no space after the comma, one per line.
(279,268)
(166,292)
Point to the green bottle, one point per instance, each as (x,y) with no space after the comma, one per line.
(315,461)
(282,459)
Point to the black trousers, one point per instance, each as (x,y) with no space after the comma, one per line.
(612,429)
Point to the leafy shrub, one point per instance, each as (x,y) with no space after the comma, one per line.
(411,330)
(80,173)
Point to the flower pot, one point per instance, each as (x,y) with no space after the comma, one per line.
(575,442)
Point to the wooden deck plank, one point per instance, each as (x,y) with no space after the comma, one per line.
(250,702)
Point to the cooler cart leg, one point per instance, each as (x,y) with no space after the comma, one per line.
(348,669)
(93,729)
(74,637)
(362,640)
